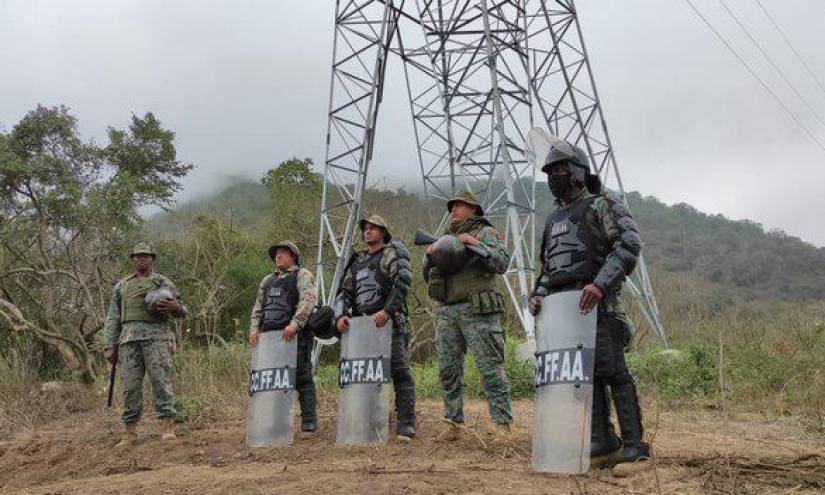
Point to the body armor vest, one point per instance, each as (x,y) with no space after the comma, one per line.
(371,286)
(472,279)
(132,295)
(574,252)
(280,302)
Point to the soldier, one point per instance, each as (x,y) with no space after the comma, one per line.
(468,315)
(376,284)
(591,243)
(138,334)
(284,302)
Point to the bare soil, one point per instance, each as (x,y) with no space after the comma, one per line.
(696,452)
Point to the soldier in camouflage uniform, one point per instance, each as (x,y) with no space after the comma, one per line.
(591,243)
(287,311)
(138,335)
(468,316)
(376,283)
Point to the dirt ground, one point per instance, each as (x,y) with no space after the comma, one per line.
(696,452)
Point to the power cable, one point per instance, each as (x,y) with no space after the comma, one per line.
(755,76)
(791,46)
(771,62)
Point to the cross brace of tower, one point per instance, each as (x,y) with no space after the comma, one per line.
(479,75)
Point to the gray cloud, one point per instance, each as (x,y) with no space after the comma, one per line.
(245,84)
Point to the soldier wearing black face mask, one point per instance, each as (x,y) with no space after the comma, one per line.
(591,243)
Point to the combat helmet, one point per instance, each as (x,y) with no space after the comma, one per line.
(579,163)
(449,254)
(153,297)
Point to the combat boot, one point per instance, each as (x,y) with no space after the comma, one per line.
(503,432)
(451,433)
(167,429)
(309,419)
(604,444)
(406,433)
(635,454)
(405,404)
(129,436)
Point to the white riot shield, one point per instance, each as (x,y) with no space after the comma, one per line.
(565,347)
(272,390)
(364,375)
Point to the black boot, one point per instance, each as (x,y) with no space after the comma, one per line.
(309,421)
(305,383)
(403,381)
(604,444)
(635,454)
(405,405)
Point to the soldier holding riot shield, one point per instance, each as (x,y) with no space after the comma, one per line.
(590,244)
(283,304)
(376,283)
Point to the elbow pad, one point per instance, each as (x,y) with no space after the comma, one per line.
(626,248)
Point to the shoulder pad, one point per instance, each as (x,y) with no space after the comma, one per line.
(400,249)
(611,196)
(617,205)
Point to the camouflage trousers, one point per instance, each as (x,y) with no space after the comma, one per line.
(152,357)
(459,328)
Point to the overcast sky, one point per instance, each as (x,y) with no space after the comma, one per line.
(245,84)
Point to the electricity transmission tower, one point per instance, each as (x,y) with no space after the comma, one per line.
(479,75)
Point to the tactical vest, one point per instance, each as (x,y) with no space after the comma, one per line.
(474,283)
(280,302)
(574,249)
(371,285)
(132,296)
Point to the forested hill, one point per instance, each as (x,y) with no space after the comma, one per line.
(678,238)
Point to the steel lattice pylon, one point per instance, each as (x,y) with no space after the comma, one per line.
(479,75)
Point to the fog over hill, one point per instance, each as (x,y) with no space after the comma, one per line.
(677,238)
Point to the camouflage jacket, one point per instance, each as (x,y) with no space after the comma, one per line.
(117,332)
(306,302)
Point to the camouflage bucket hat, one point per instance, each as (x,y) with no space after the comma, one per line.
(466,197)
(142,248)
(378,221)
(288,245)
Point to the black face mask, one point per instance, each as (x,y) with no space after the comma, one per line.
(559,185)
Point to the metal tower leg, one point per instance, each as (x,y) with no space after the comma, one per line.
(363,32)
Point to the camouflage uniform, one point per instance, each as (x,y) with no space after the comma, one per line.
(145,345)
(395,270)
(473,322)
(305,385)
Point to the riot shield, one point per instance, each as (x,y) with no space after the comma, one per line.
(364,375)
(272,390)
(565,346)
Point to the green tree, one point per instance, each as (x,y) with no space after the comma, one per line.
(295,190)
